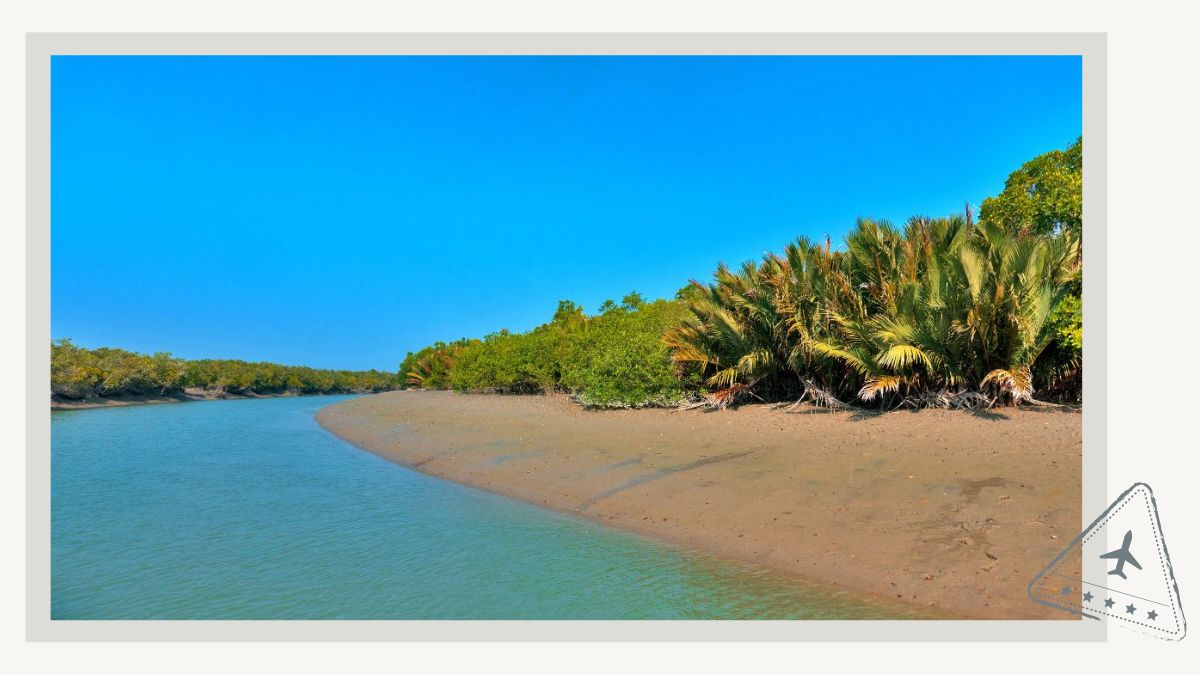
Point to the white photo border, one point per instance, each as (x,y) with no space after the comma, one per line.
(40,47)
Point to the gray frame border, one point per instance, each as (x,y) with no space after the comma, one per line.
(40,46)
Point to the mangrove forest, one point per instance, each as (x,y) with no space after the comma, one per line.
(78,374)
(955,312)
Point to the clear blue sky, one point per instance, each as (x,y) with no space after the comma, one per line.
(341,211)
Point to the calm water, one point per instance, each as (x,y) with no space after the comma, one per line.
(249,510)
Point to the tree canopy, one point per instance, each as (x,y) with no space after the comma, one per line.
(1044,195)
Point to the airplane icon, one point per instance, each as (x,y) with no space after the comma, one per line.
(1122,556)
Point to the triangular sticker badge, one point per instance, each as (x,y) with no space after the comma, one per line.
(1127,578)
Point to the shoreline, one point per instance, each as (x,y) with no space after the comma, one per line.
(184,397)
(951,511)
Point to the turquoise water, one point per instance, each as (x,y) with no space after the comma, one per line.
(249,510)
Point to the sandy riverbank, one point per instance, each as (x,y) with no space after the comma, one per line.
(949,510)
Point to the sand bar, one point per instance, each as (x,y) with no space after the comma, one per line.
(954,511)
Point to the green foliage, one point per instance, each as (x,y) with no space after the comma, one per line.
(613,359)
(1060,367)
(568,313)
(1066,323)
(938,311)
(1044,195)
(74,372)
(632,301)
(430,367)
(513,362)
(941,312)
(77,373)
(621,361)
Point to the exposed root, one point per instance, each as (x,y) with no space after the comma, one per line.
(1048,404)
(723,398)
(814,394)
(950,400)
(818,395)
(1015,384)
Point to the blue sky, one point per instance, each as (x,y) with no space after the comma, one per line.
(341,211)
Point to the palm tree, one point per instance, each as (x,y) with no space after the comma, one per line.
(734,333)
(936,314)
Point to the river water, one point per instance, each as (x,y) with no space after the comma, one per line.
(248,509)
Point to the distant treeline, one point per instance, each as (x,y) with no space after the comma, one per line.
(77,373)
(946,312)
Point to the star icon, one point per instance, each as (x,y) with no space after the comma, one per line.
(1152,615)
(1087,597)
(1108,602)
(1066,590)
(1130,609)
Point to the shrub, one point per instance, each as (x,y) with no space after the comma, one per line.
(612,359)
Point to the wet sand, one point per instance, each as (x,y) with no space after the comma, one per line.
(952,511)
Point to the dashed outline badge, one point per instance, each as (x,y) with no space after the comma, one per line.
(1129,579)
